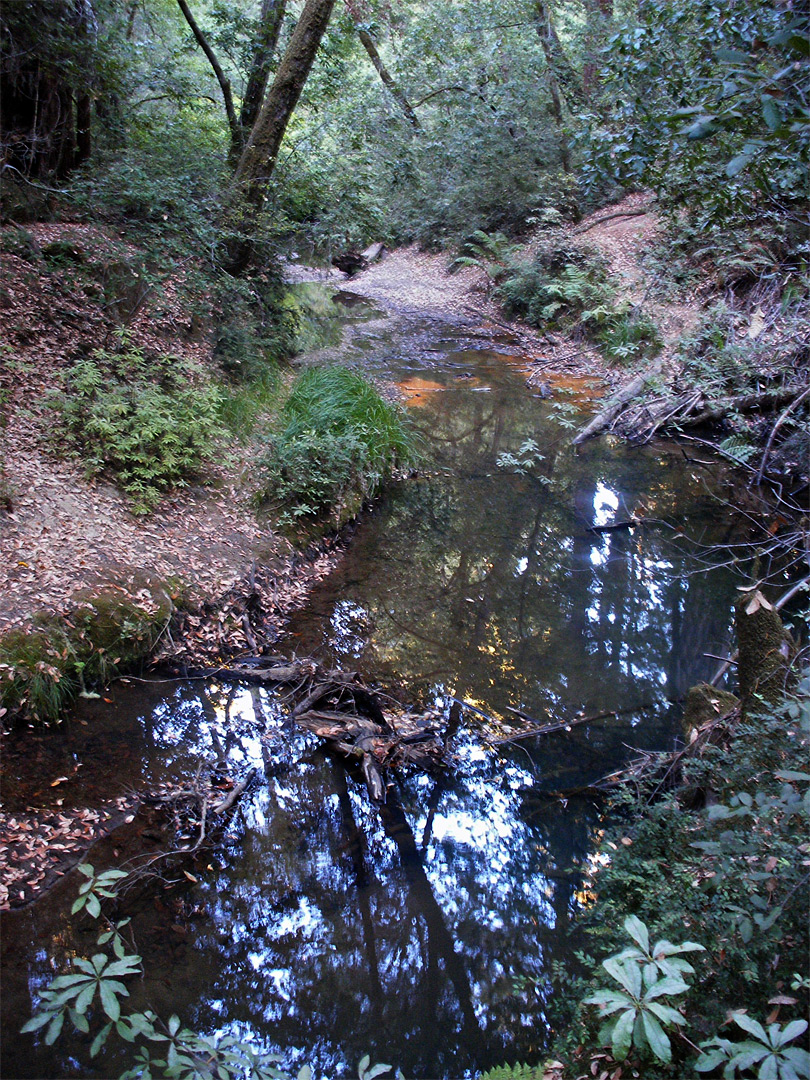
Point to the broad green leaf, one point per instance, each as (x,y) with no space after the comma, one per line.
(109,1002)
(732,56)
(798,1058)
(129,965)
(769,1069)
(771,113)
(52,1034)
(793,1030)
(623,1034)
(36,1022)
(85,997)
(376,1071)
(79,1021)
(627,974)
(365,1061)
(751,1026)
(93,905)
(86,869)
(304,1073)
(737,164)
(61,981)
(709,1060)
(666,1013)
(658,1041)
(99,1040)
(638,932)
(670,986)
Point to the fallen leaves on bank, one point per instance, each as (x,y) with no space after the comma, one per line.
(40,845)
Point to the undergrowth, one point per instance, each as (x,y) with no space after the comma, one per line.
(143,421)
(42,670)
(565,287)
(336,443)
(731,877)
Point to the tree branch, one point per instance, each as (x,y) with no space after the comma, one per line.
(224,84)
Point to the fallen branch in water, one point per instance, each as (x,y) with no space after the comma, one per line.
(564,725)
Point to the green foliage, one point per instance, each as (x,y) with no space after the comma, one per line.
(769,1050)
(143,422)
(629,336)
(645,976)
(255,328)
(568,287)
(490,253)
(339,442)
(732,876)
(91,998)
(706,105)
(43,669)
(519,1071)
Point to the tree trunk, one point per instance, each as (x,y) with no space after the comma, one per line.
(84,143)
(224,84)
(270,21)
(252,175)
(388,79)
(559,66)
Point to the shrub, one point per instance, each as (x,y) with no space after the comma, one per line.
(339,442)
(564,286)
(732,876)
(144,422)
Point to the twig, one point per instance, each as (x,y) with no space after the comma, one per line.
(232,796)
(782,417)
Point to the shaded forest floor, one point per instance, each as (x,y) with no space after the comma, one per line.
(61,533)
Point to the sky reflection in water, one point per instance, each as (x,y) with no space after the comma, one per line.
(423,934)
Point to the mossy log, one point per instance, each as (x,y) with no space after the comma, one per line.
(765,649)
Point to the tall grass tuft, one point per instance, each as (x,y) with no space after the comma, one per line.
(338,444)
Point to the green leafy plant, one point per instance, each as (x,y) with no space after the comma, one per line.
(767,1049)
(645,975)
(146,423)
(42,669)
(92,997)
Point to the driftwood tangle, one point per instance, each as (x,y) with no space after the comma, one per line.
(348,716)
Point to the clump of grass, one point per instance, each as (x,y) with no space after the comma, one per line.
(242,403)
(336,444)
(43,669)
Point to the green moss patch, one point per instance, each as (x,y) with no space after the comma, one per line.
(44,668)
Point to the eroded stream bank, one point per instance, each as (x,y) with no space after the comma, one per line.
(423,933)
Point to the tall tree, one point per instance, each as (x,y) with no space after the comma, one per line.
(47,77)
(263,48)
(255,168)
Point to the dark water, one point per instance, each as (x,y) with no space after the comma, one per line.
(422,934)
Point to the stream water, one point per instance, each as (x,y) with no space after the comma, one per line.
(423,934)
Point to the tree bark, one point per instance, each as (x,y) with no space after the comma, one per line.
(216,67)
(388,79)
(259,156)
(560,67)
(270,21)
(252,174)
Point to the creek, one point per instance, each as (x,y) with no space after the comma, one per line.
(423,934)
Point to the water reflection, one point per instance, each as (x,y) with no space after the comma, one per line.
(424,934)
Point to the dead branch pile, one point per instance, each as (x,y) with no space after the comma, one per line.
(339,708)
(757,386)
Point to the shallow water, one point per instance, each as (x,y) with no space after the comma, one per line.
(424,933)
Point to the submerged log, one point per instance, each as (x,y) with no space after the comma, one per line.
(617,403)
